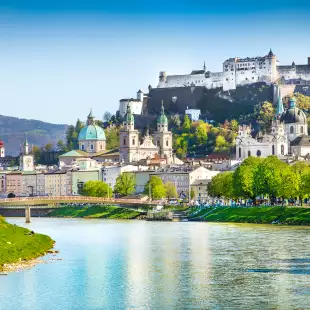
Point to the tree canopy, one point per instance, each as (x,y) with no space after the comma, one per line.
(155,187)
(96,189)
(125,184)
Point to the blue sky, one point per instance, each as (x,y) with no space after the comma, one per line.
(60,58)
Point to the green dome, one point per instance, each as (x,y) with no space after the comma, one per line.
(129,118)
(91,132)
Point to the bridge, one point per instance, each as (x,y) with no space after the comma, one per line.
(28,203)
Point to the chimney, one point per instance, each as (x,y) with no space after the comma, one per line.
(308,61)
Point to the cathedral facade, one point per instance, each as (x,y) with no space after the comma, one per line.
(160,143)
(287,136)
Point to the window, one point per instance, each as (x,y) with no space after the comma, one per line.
(82,147)
(282,149)
(301,129)
(124,141)
(167,143)
(273,151)
(239,152)
(249,153)
(91,146)
(133,141)
(258,153)
(291,129)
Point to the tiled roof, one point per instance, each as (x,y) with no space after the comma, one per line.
(301,141)
(75,153)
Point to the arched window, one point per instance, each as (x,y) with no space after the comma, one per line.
(258,153)
(91,146)
(291,129)
(239,152)
(124,142)
(249,153)
(301,129)
(82,147)
(282,149)
(133,141)
(167,143)
(273,151)
(158,143)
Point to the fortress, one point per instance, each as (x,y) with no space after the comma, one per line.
(241,71)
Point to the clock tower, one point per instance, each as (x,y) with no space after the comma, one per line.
(26,162)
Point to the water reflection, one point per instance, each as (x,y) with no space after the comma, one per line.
(144,265)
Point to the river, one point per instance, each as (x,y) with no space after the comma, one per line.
(107,264)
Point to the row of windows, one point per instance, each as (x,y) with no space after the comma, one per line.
(259,153)
(301,129)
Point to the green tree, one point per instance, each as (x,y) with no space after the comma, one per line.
(302,101)
(175,119)
(300,170)
(234,125)
(48,147)
(221,185)
(264,114)
(244,183)
(112,138)
(186,124)
(96,189)
(107,116)
(171,191)
(192,193)
(125,184)
(78,126)
(202,132)
(156,187)
(61,146)
(36,151)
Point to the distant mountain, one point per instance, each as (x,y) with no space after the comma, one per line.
(13,130)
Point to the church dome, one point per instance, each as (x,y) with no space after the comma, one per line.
(293,114)
(91,132)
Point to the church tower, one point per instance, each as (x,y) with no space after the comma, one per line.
(26,161)
(129,139)
(163,137)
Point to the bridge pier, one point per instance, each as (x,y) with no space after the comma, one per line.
(27,214)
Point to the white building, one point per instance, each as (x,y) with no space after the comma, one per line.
(193,114)
(2,149)
(288,135)
(136,105)
(240,71)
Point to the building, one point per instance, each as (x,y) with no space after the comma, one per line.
(241,71)
(288,135)
(14,183)
(56,183)
(200,189)
(79,178)
(142,178)
(2,149)
(193,114)
(92,138)
(26,160)
(184,177)
(132,150)
(2,183)
(111,173)
(136,105)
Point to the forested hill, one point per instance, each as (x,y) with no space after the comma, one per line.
(13,130)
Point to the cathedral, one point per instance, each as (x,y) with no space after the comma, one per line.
(288,135)
(160,143)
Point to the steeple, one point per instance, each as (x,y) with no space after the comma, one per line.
(280,108)
(204,66)
(129,119)
(292,102)
(26,145)
(90,118)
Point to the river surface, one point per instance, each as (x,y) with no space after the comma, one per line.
(109,264)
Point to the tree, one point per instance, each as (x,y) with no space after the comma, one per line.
(36,151)
(221,185)
(171,191)
(202,132)
(78,126)
(264,114)
(96,189)
(61,146)
(156,187)
(192,193)
(48,147)
(186,124)
(112,138)
(125,184)
(302,101)
(107,116)
(244,184)
(175,119)
(234,125)
(300,170)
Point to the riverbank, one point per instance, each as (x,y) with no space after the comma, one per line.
(103,212)
(20,247)
(257,215)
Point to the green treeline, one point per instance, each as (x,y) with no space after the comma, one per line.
(20,244)
(263,177)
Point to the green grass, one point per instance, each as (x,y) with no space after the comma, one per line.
(106,212)
(17,243)
(262,215)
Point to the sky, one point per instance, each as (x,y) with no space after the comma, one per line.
(60,58)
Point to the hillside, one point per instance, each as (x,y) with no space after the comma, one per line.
(13,130)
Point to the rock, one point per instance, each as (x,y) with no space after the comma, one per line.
(52,251)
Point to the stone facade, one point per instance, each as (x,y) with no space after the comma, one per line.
(131,150)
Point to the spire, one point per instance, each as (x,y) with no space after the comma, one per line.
(26,139)
(280,108)
(162,118)
(270,54)
(204,66)
(162,108)
(26,145)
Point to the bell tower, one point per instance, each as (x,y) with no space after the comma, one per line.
(129,139)
(26,161)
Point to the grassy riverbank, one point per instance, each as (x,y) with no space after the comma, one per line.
(261,215)
(105,212)
(19,244)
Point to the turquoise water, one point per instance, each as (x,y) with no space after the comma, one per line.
(156,265)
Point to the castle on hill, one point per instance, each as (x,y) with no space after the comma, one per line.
(241,71)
